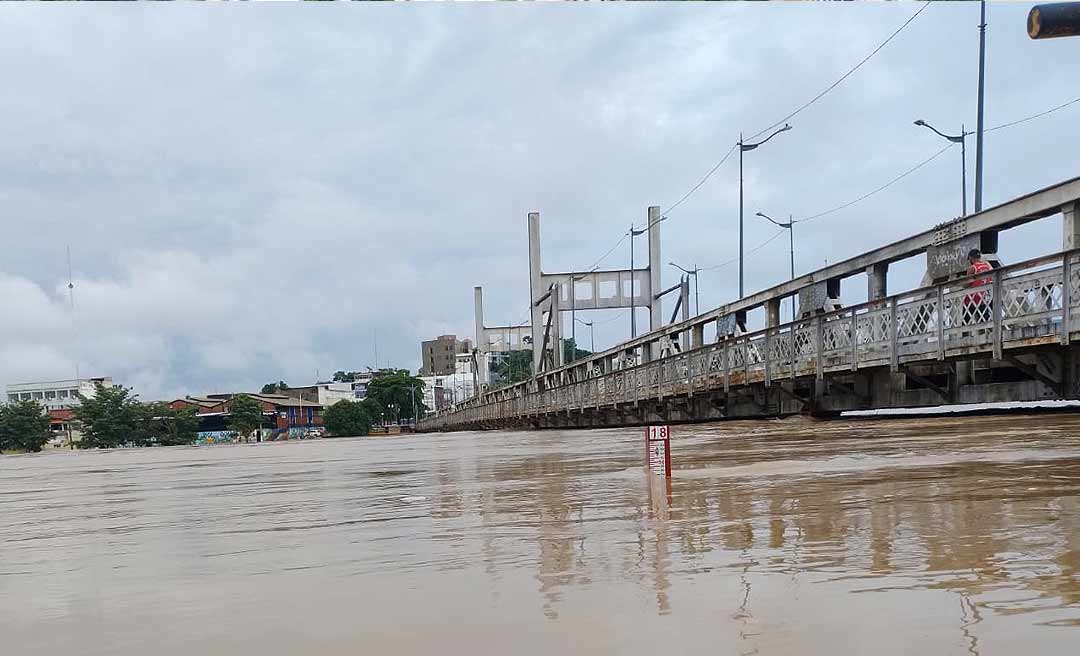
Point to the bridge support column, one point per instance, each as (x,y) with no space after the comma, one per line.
(772,313)
(656,310)
(1071,224)
(534,290)
(877,281)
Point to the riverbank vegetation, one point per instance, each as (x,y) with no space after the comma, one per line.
(115,417)
(24,426)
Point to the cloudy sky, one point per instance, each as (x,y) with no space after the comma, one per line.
(252,193)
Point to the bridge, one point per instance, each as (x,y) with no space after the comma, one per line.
(928,346)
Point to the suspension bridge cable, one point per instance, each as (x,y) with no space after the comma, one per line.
(845,75)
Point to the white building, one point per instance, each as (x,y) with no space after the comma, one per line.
(324,394)
(56,394)
(444,391)
(463,364)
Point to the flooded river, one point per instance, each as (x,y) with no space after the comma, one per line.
(918,536)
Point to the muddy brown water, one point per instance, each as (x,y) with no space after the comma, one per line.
(915,536)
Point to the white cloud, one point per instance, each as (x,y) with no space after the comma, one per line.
(250,195)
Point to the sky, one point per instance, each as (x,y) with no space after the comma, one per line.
(265,192)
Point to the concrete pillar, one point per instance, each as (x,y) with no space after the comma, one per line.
(877,281)
(772,313)
(1071,224)
(479,337)
(534,289)
(656,316)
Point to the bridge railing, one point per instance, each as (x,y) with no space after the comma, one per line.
(1023,305)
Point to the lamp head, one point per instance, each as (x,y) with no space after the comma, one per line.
(920,122)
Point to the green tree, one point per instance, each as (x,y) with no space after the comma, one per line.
(570,351)
(167,427)
(347,376)
(515,367)
(23,426)
(245,415)
(348,418)
(274,388)
(398,394)
(111,417)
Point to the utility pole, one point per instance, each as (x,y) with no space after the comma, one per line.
(979,127)
(743,147)
(742,289)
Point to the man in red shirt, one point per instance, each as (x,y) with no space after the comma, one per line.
(976,307)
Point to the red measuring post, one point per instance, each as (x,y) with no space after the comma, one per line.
(658,449)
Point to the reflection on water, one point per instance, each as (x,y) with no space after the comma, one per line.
(947,535)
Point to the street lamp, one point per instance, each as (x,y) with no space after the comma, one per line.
(592,334)
(960,139)
(790,227)
(744,147)
(697,285)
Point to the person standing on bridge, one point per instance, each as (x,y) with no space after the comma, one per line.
(976,309)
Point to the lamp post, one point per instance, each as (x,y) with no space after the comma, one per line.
(960,139)
(745,147)
(979,127)
(790,227)
(633,313)
(592,334)
(697,285)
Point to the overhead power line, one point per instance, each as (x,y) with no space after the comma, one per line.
(799,109)
(845,75)
(1033,116)
(702,181)
(749,252)
(881,188)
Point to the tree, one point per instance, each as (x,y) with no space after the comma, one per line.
(245,414)
(571,352)
(167,427)
(515,367)
(109,418)
(23,426)
(399,395)
(347,376)
(348,418)
(275,388)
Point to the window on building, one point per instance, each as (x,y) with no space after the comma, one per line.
(63,394)
(74,393)
(25,396)
(37,395)
(50,394)
(13,397)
